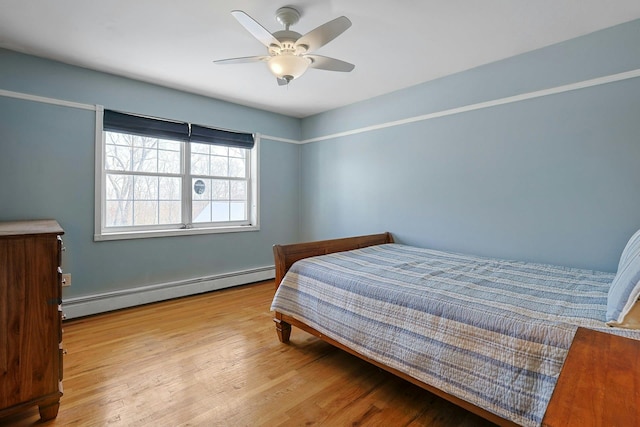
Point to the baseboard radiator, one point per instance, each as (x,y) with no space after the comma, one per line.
(100,303)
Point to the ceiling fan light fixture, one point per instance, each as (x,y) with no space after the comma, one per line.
(288,67)
(290,53)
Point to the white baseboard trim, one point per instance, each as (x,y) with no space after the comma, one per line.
(99,303)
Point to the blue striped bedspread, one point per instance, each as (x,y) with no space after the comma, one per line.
(494,333)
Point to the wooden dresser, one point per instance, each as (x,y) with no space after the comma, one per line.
(599,384)
(30,317)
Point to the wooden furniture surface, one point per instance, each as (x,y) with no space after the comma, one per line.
(30,317)
(599,384)
(586,395)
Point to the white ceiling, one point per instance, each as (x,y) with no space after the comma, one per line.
(394,44)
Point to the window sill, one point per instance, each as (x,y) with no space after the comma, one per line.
(126,235)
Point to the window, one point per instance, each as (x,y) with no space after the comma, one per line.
(156,177)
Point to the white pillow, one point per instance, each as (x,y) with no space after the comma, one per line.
(625,288)
(631,244)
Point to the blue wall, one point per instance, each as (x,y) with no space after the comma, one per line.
(553,179)
(47,171)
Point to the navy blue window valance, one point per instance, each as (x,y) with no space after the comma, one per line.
(160,128)
(221,137)
(145,126)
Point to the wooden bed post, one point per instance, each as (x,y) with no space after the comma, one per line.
(282,328)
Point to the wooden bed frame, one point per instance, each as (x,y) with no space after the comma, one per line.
(599,384)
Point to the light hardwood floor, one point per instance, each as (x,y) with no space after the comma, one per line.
(214,360)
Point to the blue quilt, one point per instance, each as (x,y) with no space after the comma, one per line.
(492,332)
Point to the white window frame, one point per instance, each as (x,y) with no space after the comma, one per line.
(102,233)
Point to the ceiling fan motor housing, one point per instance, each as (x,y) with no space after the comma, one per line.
(287,16)
(288,44)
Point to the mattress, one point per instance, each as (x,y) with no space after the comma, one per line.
(492,332)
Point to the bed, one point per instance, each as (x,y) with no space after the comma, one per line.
(510,341)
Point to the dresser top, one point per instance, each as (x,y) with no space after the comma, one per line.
(19,228)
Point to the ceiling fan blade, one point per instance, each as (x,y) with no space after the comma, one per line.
(242,60)
(256,30)
(322,35)
(330,64)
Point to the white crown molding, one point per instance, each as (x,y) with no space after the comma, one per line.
(487,104)
(45,100)
(458,110)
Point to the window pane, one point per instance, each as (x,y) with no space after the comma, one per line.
(238,190)
(145,188)
(170,188)
(145,159)
(219,211)
(170,212)
(169,161)
(135,153)
(165,144)
(237,152)
(219,189)
(117,158)
(200,164)
(145,142)
(237,168)
(119,139)
(219,150)
(119,187)
(201,189)
(145,213)
(238,211)
(219,166)
(201,211)
(199,148)
(119,213)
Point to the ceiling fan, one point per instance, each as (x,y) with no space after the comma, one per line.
(290,52)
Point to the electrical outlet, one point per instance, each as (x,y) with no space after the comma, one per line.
(66,279)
